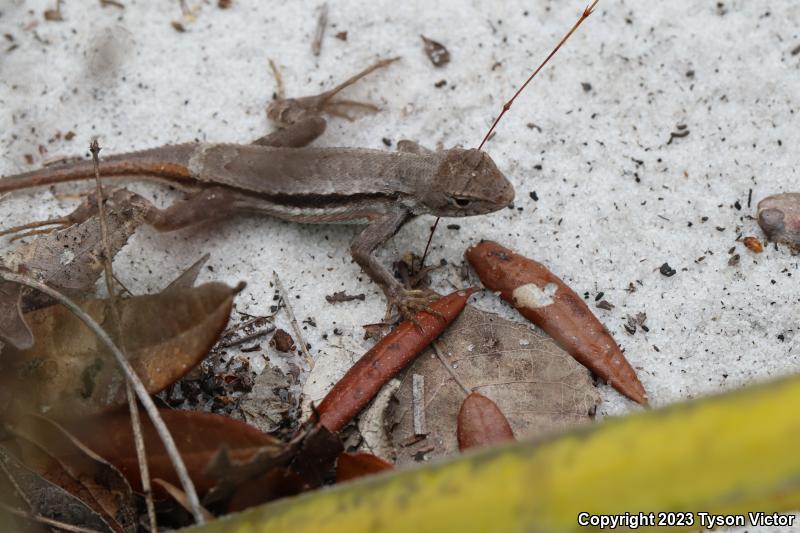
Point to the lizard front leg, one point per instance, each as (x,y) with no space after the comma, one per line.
(362,249)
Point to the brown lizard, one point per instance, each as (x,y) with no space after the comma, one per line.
(281,176)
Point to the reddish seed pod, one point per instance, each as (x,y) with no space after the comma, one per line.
(481,423)
(541,297)
(363,381)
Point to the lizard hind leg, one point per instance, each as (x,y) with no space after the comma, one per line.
(81,213)
(291,110)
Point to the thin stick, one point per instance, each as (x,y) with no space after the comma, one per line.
(138,386)
(438,349)
(322,23)
(136,423)
(44,520)
(418,403)
(246,338)
(586,12)
(428,245)
(280,92)
(295,326)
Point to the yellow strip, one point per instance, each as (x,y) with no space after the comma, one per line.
(726,454)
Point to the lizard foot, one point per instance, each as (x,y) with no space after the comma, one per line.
(57,223)
(411,301)
(81,213)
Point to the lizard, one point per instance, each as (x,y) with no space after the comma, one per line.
(280,175)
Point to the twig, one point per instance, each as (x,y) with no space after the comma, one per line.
(428,244)
(586,12)
(44,520)
(295,326)
(418,403)
(130,374)
(322,23)
(136,424)
(249,337)
(280,92)
(438,349)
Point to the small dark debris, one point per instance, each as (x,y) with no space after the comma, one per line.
(734,260)
(375,331)
(224,4)
(599,296)
(720,229)
(667,270)
(342,35)
(605,305)
(737,205)
(282,341)
(386,141)
(177,26)
(341,296)
(690,74)
(534,196)
(681,133)
(453,227)
(436,52)
(53,15)
(28,159)
(586,86)
(439,84)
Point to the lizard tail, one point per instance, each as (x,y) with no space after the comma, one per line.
(168,162)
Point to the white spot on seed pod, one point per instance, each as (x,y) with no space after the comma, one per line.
(533,297)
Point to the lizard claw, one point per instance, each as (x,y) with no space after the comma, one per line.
(411,301)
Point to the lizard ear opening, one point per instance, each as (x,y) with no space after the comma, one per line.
(461,202)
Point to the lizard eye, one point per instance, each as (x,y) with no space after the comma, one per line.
(461,202)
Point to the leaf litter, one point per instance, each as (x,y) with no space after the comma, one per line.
(535,384)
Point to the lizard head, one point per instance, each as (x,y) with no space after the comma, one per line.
(467,183)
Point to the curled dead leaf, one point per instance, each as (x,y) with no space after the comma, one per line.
(199,436)
(68,373)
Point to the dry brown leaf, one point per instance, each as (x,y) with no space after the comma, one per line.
(107,486)
(68,260)
(351,466)
(68,372)
(48,499)
(188,277)
(180,497)
(481,423)
(199,436)
(537,385)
